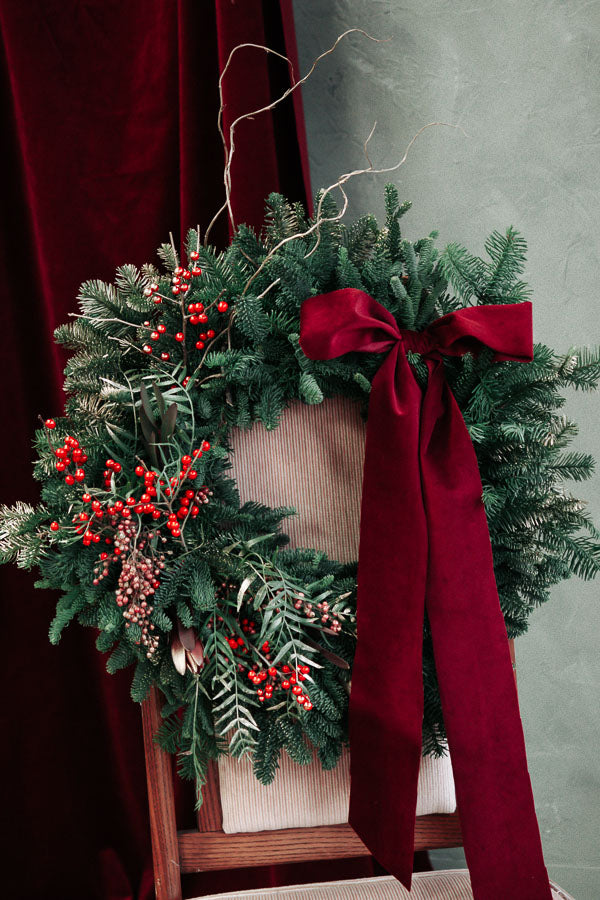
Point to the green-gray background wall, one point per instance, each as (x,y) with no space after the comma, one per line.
(522,78)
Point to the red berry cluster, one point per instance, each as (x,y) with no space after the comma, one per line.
(69,454)
(285,679)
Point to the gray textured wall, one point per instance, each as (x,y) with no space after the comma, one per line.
(522,79)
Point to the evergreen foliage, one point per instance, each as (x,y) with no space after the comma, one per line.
(151,379)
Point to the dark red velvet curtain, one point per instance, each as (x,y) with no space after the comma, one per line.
(108,125)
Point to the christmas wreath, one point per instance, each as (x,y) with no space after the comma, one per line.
(140,524)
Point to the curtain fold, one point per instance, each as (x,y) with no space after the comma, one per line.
(108,130)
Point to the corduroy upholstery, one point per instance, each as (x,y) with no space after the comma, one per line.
(449,885)
(305,796)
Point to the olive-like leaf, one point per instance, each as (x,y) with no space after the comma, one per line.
(159,399)
(168,423)
(146,405)
(328,654)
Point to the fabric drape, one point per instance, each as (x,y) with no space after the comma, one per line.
(109,142)
(425,549)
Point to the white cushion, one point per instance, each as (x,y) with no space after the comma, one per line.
(305,796)
(314,462)
(450,885)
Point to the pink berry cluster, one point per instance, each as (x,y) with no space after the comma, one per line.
(322,610)
(138,581)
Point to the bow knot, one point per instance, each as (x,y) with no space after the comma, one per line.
(424,543)
(419,342)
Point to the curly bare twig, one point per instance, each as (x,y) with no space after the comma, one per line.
(230,149)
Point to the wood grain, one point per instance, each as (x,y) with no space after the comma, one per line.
(210,814)
(161,801)
(209,848)
(200,852)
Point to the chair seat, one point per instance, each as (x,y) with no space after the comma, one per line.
(449,885)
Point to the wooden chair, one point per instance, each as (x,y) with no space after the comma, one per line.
(207,847)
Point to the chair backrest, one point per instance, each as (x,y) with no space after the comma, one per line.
(208,847)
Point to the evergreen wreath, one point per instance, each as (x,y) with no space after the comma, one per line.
(140,524)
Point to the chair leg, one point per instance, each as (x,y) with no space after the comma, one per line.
(161,801)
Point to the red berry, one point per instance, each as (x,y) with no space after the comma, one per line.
(139,471)
(175,290)
(126,512)
(119,505)
(297,690)
(184,288)
(50,424)
(205,445)
(195,510)
(179,270)
(60,466)
(210,333)
(203,318)
(165,357)
(186,460)
(199,345)
(194,320)
(192,474)
(194,254)
(54,526)
(196,271)
(161,329)
(79,474)
(222,306)
(157,300)
(179,336)
(272,672)
(86,498)
(154,335)
(69,480)
(130,501)
(147,348)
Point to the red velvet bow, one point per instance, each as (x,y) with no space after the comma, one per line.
(424,542)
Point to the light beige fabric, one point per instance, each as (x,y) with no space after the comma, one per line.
(304,796)
(450,885)
(312,461)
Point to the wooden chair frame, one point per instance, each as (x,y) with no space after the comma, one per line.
(207,847)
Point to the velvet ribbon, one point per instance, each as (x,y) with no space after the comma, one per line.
(424,545)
